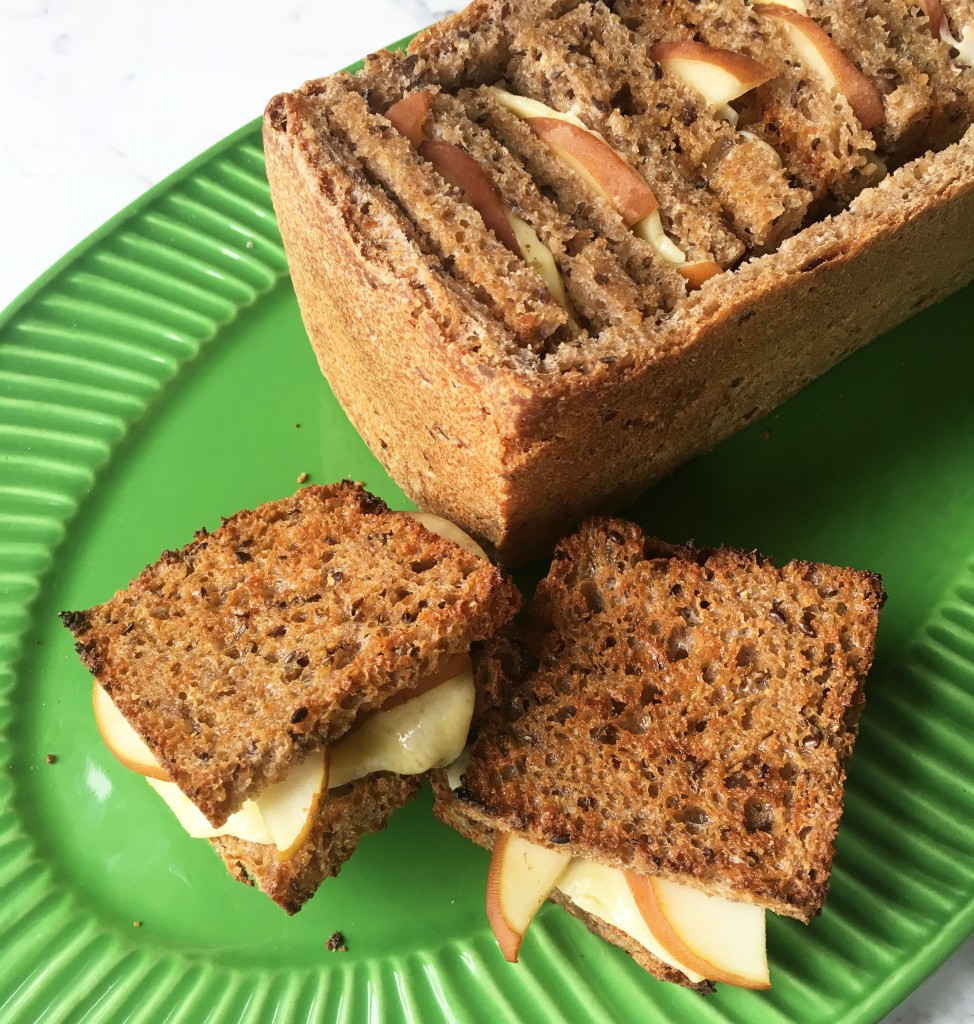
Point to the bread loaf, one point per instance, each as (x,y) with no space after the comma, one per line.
(826,213)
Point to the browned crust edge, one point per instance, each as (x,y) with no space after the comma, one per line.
(524,466)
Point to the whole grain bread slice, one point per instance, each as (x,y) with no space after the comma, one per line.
(685,713)
(255,644)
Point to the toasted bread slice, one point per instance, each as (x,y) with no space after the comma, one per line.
(683,713)
(257,643)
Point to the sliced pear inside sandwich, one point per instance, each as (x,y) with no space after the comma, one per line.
(282,815)
(520,877)
(816,49)
(422,732)
(719,75)
(720,939)
(122,740)
(456,166)
(289,807)
(602,168)
(705,937)
(425,728)
(408,116)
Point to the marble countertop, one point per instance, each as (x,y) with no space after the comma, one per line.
(106,98)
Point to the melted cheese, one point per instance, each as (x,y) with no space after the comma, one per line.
(247,823)
(964,46)
(426,732)
(538,257)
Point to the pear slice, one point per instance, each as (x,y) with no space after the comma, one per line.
(820,54)
(289,807)
(449,531)
(520,877)
(718,75)
(247,823)
(698,272)
(720,939)
(456,166)
(427,731)
(408,116)
(122,739)
(604,170)
(599,165)
(603,891)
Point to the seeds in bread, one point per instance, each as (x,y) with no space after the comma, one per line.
(684,713)
(257,643)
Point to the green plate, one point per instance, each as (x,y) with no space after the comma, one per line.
(159,377)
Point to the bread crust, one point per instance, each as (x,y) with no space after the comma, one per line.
(517,450)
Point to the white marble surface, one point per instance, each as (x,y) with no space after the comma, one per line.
(104,98)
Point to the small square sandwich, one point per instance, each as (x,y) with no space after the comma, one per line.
(663,748)
(284,681)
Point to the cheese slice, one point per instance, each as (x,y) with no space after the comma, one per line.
(538,257)
(248,823)
(449,531)
(426,732)
(964,46)
(603,892)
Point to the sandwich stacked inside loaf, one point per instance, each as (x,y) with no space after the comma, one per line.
(560,214)
(675,714)
(270,648)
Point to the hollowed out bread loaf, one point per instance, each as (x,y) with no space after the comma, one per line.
(346,814)
(486,398)
(237,655)
(686,713)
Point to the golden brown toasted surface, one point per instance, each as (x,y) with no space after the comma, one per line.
(261,641)
(345,816)
(682,712)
